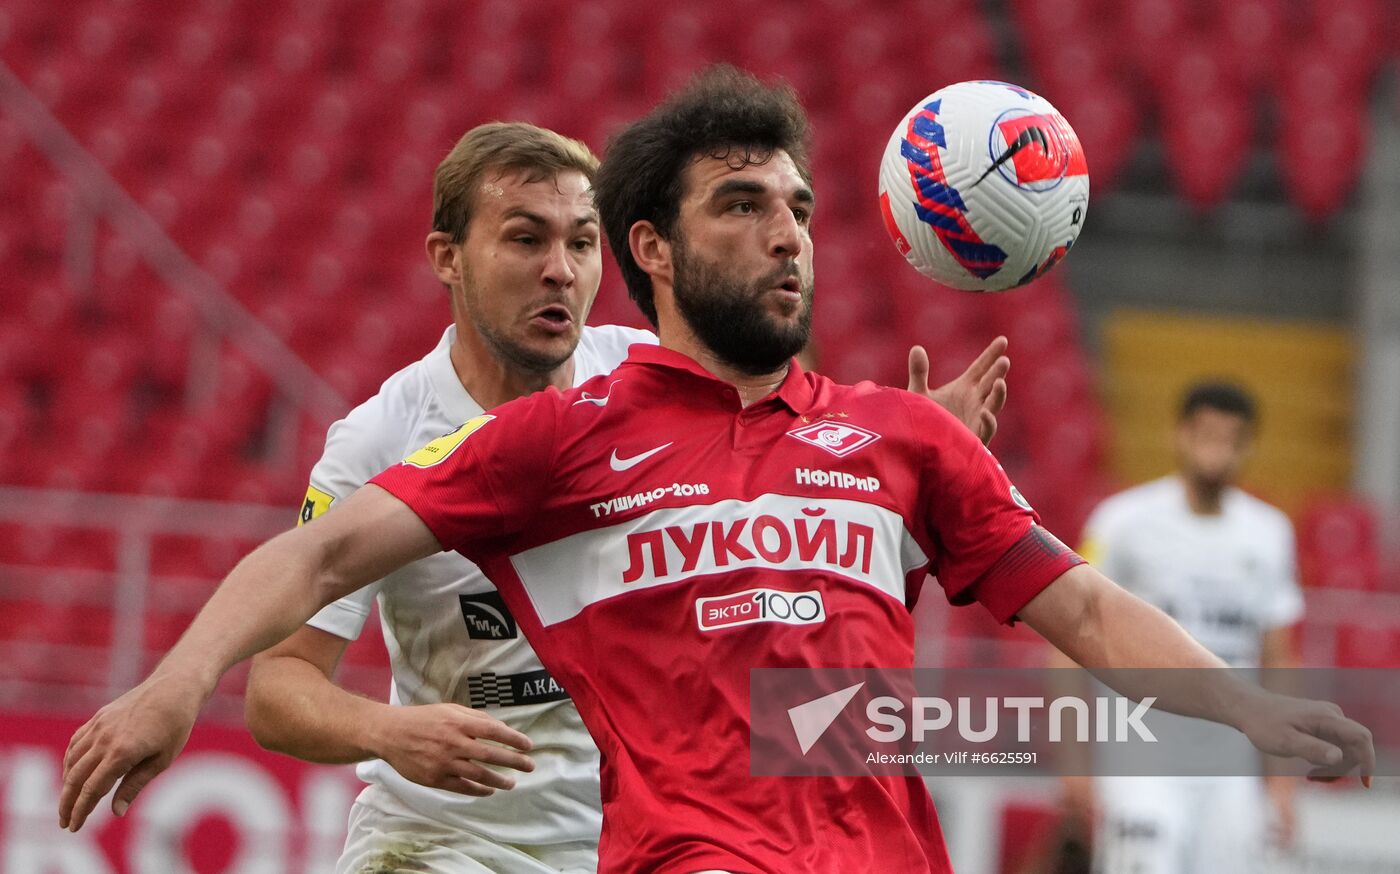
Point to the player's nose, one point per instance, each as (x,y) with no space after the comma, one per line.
(786,235)
(557,272)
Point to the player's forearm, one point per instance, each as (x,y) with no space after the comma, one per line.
(293,708)
(266,597)
(1114,633)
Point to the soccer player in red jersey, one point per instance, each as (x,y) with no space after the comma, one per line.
(711,468)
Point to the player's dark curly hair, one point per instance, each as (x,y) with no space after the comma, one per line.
(1221,396)
(722,113)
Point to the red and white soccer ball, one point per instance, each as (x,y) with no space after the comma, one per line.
(984,186)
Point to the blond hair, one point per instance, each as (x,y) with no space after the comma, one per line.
(499,146)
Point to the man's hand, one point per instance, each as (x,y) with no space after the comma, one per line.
(448,746)
(134,738)
(1316,731)
(976,396)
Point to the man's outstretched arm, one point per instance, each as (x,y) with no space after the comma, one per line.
(1100,626)
(293,706)
(269,595)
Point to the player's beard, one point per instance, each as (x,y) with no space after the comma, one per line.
(509,349)
(727,314)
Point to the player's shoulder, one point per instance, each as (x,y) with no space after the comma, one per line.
(603,347)
(375,433)
(1146,498)
(1257,512)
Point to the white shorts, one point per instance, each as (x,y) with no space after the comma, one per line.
(1181,825)
(398,842)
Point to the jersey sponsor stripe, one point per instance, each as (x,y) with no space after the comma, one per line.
(858,541)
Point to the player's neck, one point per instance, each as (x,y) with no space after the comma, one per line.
(751,388)
(1204,499)
(492,381)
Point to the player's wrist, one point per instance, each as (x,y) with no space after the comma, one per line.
(1242,704)
(194,678)
(375,728)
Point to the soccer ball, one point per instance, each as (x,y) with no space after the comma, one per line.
(983,186)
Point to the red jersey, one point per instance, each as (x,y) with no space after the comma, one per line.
(640,527)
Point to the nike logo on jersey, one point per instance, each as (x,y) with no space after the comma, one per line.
(621,464)
(586,398)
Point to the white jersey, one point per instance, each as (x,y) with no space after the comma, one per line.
(1226,578)
(449,635)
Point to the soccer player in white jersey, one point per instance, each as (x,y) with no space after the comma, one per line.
(1221,562)
(720,168)
(515,242)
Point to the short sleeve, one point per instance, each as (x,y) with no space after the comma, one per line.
(483,482)
(346,617)
(990,546)
(1284,604)
(355,448)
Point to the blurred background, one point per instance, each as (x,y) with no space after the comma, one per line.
(211,246)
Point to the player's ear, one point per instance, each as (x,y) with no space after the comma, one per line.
(651,251)
(442,255)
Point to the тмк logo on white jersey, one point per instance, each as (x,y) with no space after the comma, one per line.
(837,438)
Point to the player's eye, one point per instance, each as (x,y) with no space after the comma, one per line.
(742,207)
(583,244)
(802,215)
(526,239)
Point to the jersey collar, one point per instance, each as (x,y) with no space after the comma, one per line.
(795,391)
(456,402)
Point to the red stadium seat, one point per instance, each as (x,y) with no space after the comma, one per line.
(1070,442)
(65,548)
(1208,141)
(1251,37)
(940,319)
(1322,152)
(1353,32)
(1150,30)
(1359,572)
(1339,526)
(960,46)
(302,48)
(162,629)
(1368,646)
(175,322)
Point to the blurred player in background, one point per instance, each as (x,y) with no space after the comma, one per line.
(1221,562)
(516,242)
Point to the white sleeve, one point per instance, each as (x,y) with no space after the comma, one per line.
(346,617)
(1285,597)
(356,450)
(1099,544)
